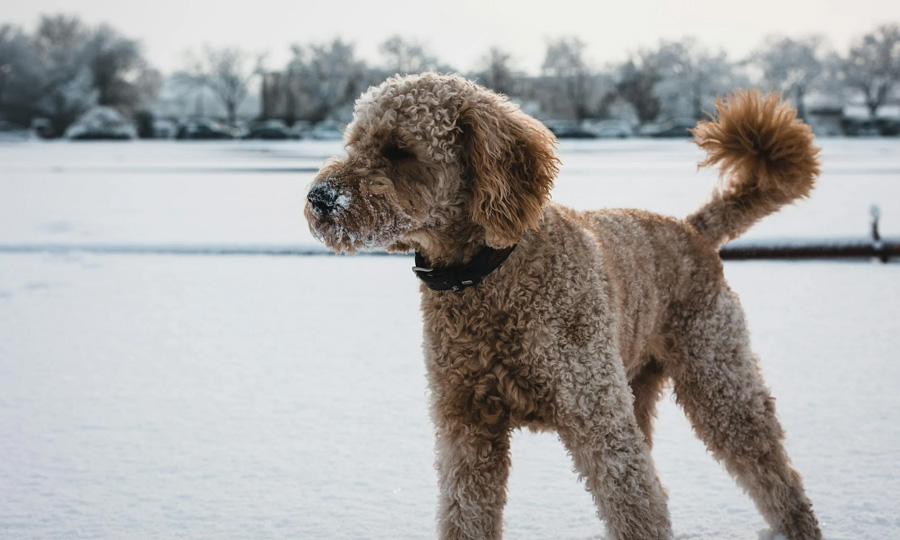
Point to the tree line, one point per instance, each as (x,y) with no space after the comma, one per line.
(64,67)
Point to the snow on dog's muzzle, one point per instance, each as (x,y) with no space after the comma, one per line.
(325,199)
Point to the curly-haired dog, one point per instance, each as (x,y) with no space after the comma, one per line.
(540,316)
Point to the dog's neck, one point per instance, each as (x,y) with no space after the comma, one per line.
(450,246)
(455,258)
(463,276)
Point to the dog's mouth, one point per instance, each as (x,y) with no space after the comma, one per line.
(331,231)
(349,224)
(339,238)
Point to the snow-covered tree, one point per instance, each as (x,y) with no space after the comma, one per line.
(872,66)
(404,56)
(496,71)
(690,76)
(66,67)
(636,84)
(321,78)
(791,66)
(227,71)
(120,75)
(67,89)
(189,83)
(20,75)
(565,61)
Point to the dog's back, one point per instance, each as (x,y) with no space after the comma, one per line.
(660,266)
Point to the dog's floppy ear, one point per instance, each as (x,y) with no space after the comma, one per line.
(511,162)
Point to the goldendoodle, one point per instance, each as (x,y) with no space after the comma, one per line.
(539,316)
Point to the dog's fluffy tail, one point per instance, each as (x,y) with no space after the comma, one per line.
(766,159)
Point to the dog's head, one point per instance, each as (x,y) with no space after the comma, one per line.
(433,159)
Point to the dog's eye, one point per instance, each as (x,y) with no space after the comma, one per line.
(395,153)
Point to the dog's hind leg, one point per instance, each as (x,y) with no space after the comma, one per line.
(647,387)
(595,420)
(719,385)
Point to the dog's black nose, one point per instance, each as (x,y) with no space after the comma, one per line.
(323,198)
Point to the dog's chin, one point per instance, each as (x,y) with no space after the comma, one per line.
(341,239)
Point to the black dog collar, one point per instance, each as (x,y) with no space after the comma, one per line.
(457,278)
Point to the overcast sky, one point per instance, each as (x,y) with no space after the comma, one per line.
(460,31)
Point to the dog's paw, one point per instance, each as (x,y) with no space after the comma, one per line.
(766,534)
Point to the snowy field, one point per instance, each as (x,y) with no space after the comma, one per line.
(151,397)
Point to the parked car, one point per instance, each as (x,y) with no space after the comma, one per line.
(327,131)
(888,127)
(43,128)
(204,130)
(611,129)
(679,127)
(101,123)
(14,132)
(859,127)
(271,130)
(164,128)
(567,129)
(302,129)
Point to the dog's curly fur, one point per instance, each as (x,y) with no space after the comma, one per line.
(593,312)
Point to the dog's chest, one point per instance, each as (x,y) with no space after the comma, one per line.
(484,364)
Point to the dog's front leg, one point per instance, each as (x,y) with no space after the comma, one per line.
(473,465)
(596,422)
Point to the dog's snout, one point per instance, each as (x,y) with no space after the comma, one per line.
(323,199)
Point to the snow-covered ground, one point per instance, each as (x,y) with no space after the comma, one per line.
(147,397)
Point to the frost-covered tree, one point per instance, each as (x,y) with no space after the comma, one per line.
(404,56)
(227,72)
(690,76)
(190,82)
(321,78)
(66,67)
(120,75)
(791,66)
(564,61)
(872,66)
(636,84)
(67,92)
(20,75)
(60,38)
(496,71)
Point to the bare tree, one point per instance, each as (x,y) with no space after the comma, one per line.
(228,72)
(637,79)
(690,76)
(873,65)
(403,56)
(148,82)
(323,77)
(496,71)
(791,66)
(190,81)
(565,62)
